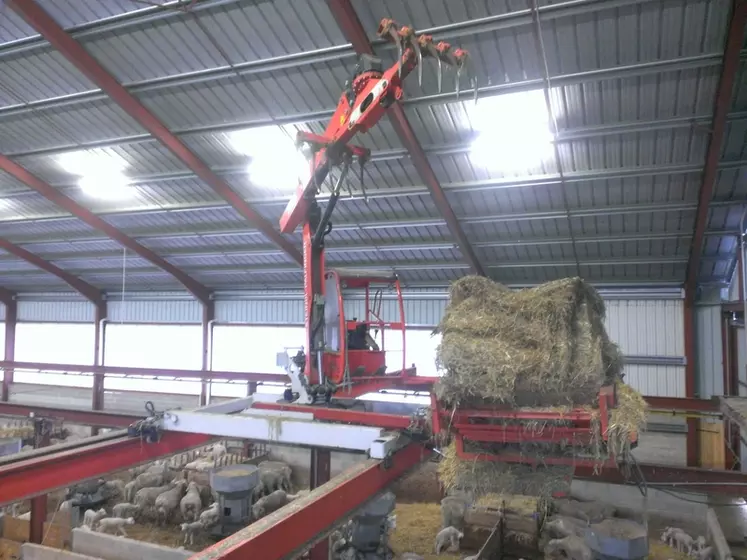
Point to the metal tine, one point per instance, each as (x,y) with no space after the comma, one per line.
(389,28)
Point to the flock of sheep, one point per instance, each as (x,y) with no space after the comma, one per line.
(158,494)
(684,543)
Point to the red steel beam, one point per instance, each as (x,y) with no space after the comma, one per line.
(692,442)
(21,480)
(200,291)
(348,21)
(688,478)
(74,52)
(153,372)
(74,416)
(722,105)
(284,532)
(88,291)
(683,404)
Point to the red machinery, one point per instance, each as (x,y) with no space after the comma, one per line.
(340,351)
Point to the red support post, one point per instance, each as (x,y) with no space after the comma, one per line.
(692,439)
(208,318)
(11,318)
(42,434)
(321,468)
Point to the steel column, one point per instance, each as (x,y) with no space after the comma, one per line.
(42,435)
(44,24)
(11,318)
(98,351)
(208,317)
(693,439)
(321,460)
(722,105)
(347,20)
(290,530)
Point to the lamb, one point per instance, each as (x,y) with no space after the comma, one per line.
(189,530)
(453,509)
(677,538)
(270,503)
(91,517)
(125,510)
(705,553)
(700,542)
(109,523)
(449,535)
(200,465)
(191,503)
(210,516)
(275,475)
(129,491)
(218,451)
(168,501)
(573,547)
(150,480)
(561,527)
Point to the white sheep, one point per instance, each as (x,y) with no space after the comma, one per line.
(450,536)
(683,542)
(91,517)
(211,516)
(113,488)
(168,501)
(705,553)
(275,475)
(125,510)
(67,505)
(109,523)
(217,451)
(700,542)
(191,503)
(573,547)
(150,480)
(129,491)
(268,504)
(561,526)
(189,530)
(146,497)
(200,465)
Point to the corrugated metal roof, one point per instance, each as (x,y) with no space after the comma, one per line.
(633,87)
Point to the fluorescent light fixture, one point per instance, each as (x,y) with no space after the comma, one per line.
(275,161)
(101,173)
(514,133)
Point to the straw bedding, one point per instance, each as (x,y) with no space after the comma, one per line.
(541,346)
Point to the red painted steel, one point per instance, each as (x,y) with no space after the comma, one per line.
(11,319)
(697,480)
(88,291)
(692,441)
(198,290)
(321,470)
(44,24)
(85,417)
(21,480)
(388,421)
(722,105)
(350,24)
(283,532)
(683,404)
(154,372)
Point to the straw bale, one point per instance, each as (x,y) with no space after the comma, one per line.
(542,346)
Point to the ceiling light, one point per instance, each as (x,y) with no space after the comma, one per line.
(275,161)
(110,186)
(101,173)
(514,132)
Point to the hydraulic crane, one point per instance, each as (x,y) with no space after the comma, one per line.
(341,353)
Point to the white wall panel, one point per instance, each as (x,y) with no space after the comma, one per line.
(647,327)
(156,346)
(70,311)
(657,381)
(155,311)
(709,368)
(55,343)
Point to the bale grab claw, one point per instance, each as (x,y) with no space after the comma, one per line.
(406,40)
